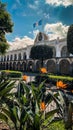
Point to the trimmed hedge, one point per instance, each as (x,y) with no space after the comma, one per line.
(11,74)
(63,78)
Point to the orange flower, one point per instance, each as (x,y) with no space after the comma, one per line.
(25,77)
(60,84)
(72,91)
(43,70)
(42,106)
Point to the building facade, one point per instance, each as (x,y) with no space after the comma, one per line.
(18,57)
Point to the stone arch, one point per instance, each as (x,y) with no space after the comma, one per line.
(64,51)
(24,56)
(51,66)
(30,66)
(3,66)
(7,66)
(64,67)
(18,66)
(11,66)
(14,66)
(38,66)
(23,66)
(72,69)
(0,66)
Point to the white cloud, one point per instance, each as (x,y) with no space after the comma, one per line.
(32,6)
(47,16)
(60,2)
(36,2)
(19,43)
(35,32)
(56,30)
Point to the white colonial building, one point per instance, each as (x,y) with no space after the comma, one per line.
(18,56)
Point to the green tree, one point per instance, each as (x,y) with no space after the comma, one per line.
(41,52)
(5,27)
(70,39)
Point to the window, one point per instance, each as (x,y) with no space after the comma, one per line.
(19,56)
(24,56)
(15,56)
(4,58)
(7,57)
(11,57)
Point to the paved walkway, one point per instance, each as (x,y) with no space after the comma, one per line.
(31,76)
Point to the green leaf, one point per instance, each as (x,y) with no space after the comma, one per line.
(15,112)
(10,114)
(26,88)
(55,100)
(7,89)
(37,120)
(24,99)
(3,117)
(34,91)
(4,84)
(41,85)
(50,113)
(30,115)
(3,46)
(37,109)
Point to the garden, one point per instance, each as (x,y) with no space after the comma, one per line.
(43,104)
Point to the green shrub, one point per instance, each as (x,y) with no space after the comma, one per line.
(57,126)
(63,78)
(11,74)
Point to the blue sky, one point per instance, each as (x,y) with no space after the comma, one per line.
(57,15)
